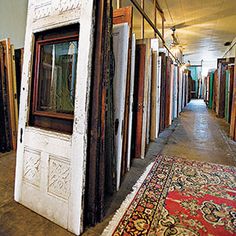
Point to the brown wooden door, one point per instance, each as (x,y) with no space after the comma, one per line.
(233,111)
(138,98)
(231,88)
(163,91)
(167,97)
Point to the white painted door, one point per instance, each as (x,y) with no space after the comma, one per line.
(50,166)
(130,124)
(171,94)
(158,96)
(120,47)
(175,92)
(180,79)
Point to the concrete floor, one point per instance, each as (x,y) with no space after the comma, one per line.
(197,134)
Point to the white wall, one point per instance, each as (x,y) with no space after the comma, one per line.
(13,21)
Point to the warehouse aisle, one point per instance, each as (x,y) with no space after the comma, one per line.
(201,136)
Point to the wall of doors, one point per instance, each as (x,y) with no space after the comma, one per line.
(220,91)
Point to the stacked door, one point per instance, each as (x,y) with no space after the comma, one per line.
(138,99)
(215,90)
(211,91)
(167,92)
(120,48)
(8,98)
(229,92)
(125,15)
(163,91)
(131,101)
(233,109)
(155,92)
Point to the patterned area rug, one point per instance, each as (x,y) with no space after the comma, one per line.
(179,197)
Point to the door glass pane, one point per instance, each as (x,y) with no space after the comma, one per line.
(57,73)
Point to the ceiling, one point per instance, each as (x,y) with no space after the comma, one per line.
(202,26)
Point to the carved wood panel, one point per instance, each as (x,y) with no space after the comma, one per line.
(32,167)
(59,178)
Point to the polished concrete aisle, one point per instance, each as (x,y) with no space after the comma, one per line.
(197,134)
(201,136)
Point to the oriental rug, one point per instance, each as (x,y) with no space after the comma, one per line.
(179,197)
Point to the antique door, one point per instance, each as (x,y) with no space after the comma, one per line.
(138,99)
(231,87)
(163,91)
(233,108)
(227,94)
(215,90)
(9,97)
(54,110)
(131,100)
(211,87)
(154,94)
(167,88)
(180,93)
(175,93)
(125,15)
(155,91)
(120,48)
(171,117)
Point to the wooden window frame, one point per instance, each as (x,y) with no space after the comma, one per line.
(48,119)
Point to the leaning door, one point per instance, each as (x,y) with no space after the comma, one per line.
(138,98)
(120,47)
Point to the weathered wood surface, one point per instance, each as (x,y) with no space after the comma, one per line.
(233,109)
(138,98)
(121,51)
(154,95)
(215,89)
(131,101)
(9,71)
(125,15)
(147,96)
(163,91)
(167,95)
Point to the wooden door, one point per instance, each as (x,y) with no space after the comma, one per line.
(175,92)
(153,97)
(158,101)
(211,87)
(138,98)
(9,98)
(215,90)
(233,109)
(180,90)
(131,101)
(231,88)
(120,48)
(163,91)
(167,88)
(171,117)
(120,16)
(227,94)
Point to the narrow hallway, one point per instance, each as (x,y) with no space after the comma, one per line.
(200,136)
(185,191)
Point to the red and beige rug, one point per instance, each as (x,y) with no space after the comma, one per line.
(179,197)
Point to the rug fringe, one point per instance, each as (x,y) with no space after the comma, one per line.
(108,231)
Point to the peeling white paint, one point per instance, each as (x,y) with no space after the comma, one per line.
(54,153)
